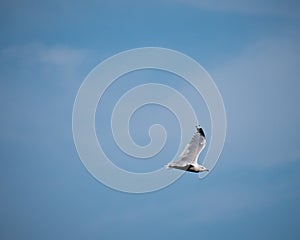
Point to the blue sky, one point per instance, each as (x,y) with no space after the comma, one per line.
(252,51)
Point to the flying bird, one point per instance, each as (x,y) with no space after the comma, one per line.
(189,156)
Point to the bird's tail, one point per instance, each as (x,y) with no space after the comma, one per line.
(168,166)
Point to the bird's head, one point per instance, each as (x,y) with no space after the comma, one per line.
(203,169)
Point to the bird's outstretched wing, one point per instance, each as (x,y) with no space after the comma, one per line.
(192,150)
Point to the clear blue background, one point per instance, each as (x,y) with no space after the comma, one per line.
(251,49)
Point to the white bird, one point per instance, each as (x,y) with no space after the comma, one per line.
(189,156)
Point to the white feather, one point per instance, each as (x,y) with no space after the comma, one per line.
(191,152)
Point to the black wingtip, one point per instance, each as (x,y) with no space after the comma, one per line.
(200,130)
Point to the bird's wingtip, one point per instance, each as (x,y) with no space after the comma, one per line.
(200,130)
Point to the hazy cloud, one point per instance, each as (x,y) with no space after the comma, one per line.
(283,8)
(260,88)
(60,55)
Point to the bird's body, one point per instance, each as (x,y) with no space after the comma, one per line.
(188,158)
(189,168)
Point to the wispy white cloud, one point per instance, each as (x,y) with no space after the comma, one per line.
(62,55)
(260,88)
(59,55)
(283,8)
(58,64)
(37,78)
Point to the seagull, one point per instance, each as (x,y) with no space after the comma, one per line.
(189,156)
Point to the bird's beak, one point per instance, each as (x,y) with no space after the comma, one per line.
(207,170)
